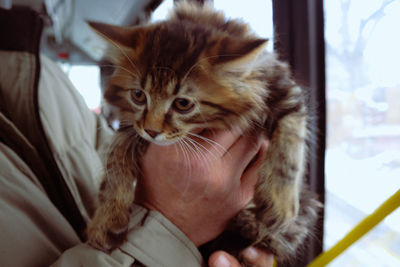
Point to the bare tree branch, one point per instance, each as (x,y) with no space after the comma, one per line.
(350,53)
(377,15)
(332,51)
(344,29)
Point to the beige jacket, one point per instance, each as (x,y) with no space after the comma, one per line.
(46,131)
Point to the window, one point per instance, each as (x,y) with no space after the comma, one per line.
(86,79)
(257,13)
(363,148)
(162,10)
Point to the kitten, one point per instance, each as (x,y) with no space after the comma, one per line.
(198,69)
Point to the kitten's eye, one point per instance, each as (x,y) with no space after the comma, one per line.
(138,96)
(183,105)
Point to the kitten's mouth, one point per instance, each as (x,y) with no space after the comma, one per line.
(158,140)
(162,143)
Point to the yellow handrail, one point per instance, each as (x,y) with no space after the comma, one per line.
(361,229)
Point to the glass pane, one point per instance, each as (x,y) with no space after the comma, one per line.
(86,79)
(363,152)
(258,13)
(162,10)
(380,247)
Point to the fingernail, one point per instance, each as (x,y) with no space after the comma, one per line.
(250,253)
(222,261)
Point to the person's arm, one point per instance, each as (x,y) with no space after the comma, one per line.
(156,246)
(152,241)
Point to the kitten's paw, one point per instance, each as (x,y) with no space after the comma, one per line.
(279,235)
(287,240)
(108,232)
(248,225)
(106,240)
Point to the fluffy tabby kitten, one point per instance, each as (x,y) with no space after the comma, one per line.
(198,69)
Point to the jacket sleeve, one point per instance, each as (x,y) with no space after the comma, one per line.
(39,105)
(152,241)
(34,227)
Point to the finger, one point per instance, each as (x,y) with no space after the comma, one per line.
(222,259)
(257,257)
(244,150)
(250,176)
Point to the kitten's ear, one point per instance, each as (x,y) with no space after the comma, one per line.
(125,36)
(236,54)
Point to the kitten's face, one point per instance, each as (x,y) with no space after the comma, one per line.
(159,111)
(162,118)
(177,76)
(164,108)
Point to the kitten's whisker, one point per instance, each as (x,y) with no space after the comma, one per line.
(194,148)
(127,124)
(204,148)
(123,75)
(188,168)
(123,68)
(199,153)
(203,158)
(176,149)
(214,144)
(192,153)
(209,141)
(185,156)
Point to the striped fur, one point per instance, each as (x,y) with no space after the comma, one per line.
(220,67)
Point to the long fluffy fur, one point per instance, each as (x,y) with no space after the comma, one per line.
(220,65)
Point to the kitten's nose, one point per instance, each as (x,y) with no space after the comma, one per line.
(152,133)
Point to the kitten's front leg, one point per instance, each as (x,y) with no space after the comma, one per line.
(108,228)
(275,207)
(282,174)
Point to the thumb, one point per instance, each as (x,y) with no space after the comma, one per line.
(222,259)
(257,257)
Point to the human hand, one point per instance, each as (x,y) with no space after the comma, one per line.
(201,188)
(253,256)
